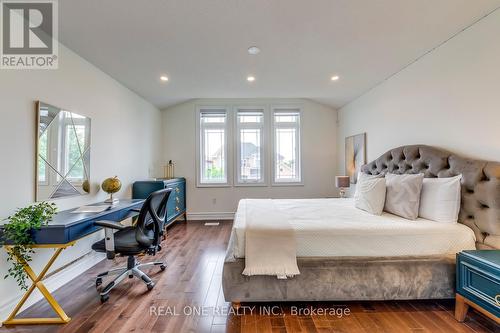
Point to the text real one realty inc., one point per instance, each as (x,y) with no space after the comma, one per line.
(275,310)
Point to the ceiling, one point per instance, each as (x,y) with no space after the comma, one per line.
(201,45)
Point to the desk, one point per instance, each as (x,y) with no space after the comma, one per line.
(63,231)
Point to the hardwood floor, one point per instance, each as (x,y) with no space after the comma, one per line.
(194,254)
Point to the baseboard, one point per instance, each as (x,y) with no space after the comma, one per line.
(53,282)
(211,216)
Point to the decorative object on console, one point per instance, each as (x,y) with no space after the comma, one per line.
(18,237)
(168,170)
(355,155)
(111,186)
(342,183)
(62,153)
(478,283)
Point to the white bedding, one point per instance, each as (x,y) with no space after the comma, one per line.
(334,227)
(270,246)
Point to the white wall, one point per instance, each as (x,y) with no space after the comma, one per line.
(318,156)
(449,98)
(125,142)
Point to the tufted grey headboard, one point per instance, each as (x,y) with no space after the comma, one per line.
(480,204)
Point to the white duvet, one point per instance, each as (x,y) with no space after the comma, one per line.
(334,227)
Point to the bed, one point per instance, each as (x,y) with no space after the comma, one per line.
(347,254)
(334,228)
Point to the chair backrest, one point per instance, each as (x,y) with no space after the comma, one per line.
(151,220)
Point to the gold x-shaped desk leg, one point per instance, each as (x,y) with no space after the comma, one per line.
(37,283)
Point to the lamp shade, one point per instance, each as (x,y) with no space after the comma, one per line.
(342,181)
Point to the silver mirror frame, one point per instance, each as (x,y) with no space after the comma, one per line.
(84,158)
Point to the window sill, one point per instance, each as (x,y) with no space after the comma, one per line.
(212,185)
(287,184)
(251,185)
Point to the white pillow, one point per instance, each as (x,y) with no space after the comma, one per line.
(370,194)
(403,194)
(440,199)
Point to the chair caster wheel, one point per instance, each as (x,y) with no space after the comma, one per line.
(162,267)
(150,286)
(104,298)
(98,282)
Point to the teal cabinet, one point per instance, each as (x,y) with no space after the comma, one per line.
(478,282)
(176,205)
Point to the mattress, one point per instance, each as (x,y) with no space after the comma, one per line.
(335,228)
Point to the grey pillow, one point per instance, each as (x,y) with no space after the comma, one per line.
(370,194)
(403,194)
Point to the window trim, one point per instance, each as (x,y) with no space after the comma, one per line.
(274,109)
(232,143)
(228,144)
(264,152)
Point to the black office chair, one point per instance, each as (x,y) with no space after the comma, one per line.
(143,237)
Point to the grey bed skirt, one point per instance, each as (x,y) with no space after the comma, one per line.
(346,279)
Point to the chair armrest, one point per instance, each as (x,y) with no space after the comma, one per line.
(109,238)
(110,224)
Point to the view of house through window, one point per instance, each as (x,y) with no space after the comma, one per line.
(75,143)
(287,146)
(250,128)
(250,168)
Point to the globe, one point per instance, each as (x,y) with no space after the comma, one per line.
(86,186)
(111,185)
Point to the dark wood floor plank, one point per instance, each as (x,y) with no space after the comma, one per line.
(195,254)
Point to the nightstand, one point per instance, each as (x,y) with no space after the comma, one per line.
(478,283)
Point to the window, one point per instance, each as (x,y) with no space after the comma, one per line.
(43,171)
(213,150)
(286,155)
(75,142)
(250,146)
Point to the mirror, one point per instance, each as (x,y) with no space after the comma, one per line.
(63,153)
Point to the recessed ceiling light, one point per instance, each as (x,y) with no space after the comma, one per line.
(164,78)
(251,78)
(335,78)
(253,50)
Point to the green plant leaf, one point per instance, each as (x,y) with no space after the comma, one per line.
(19,231)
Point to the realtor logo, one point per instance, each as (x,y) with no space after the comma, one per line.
(28,34)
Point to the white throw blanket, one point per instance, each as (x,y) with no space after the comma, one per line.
(270,244)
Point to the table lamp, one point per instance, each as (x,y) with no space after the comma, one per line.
(343,183)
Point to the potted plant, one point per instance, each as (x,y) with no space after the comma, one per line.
(18,233)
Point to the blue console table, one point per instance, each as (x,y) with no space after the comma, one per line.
(478,283)
(176,205)
(63,231)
